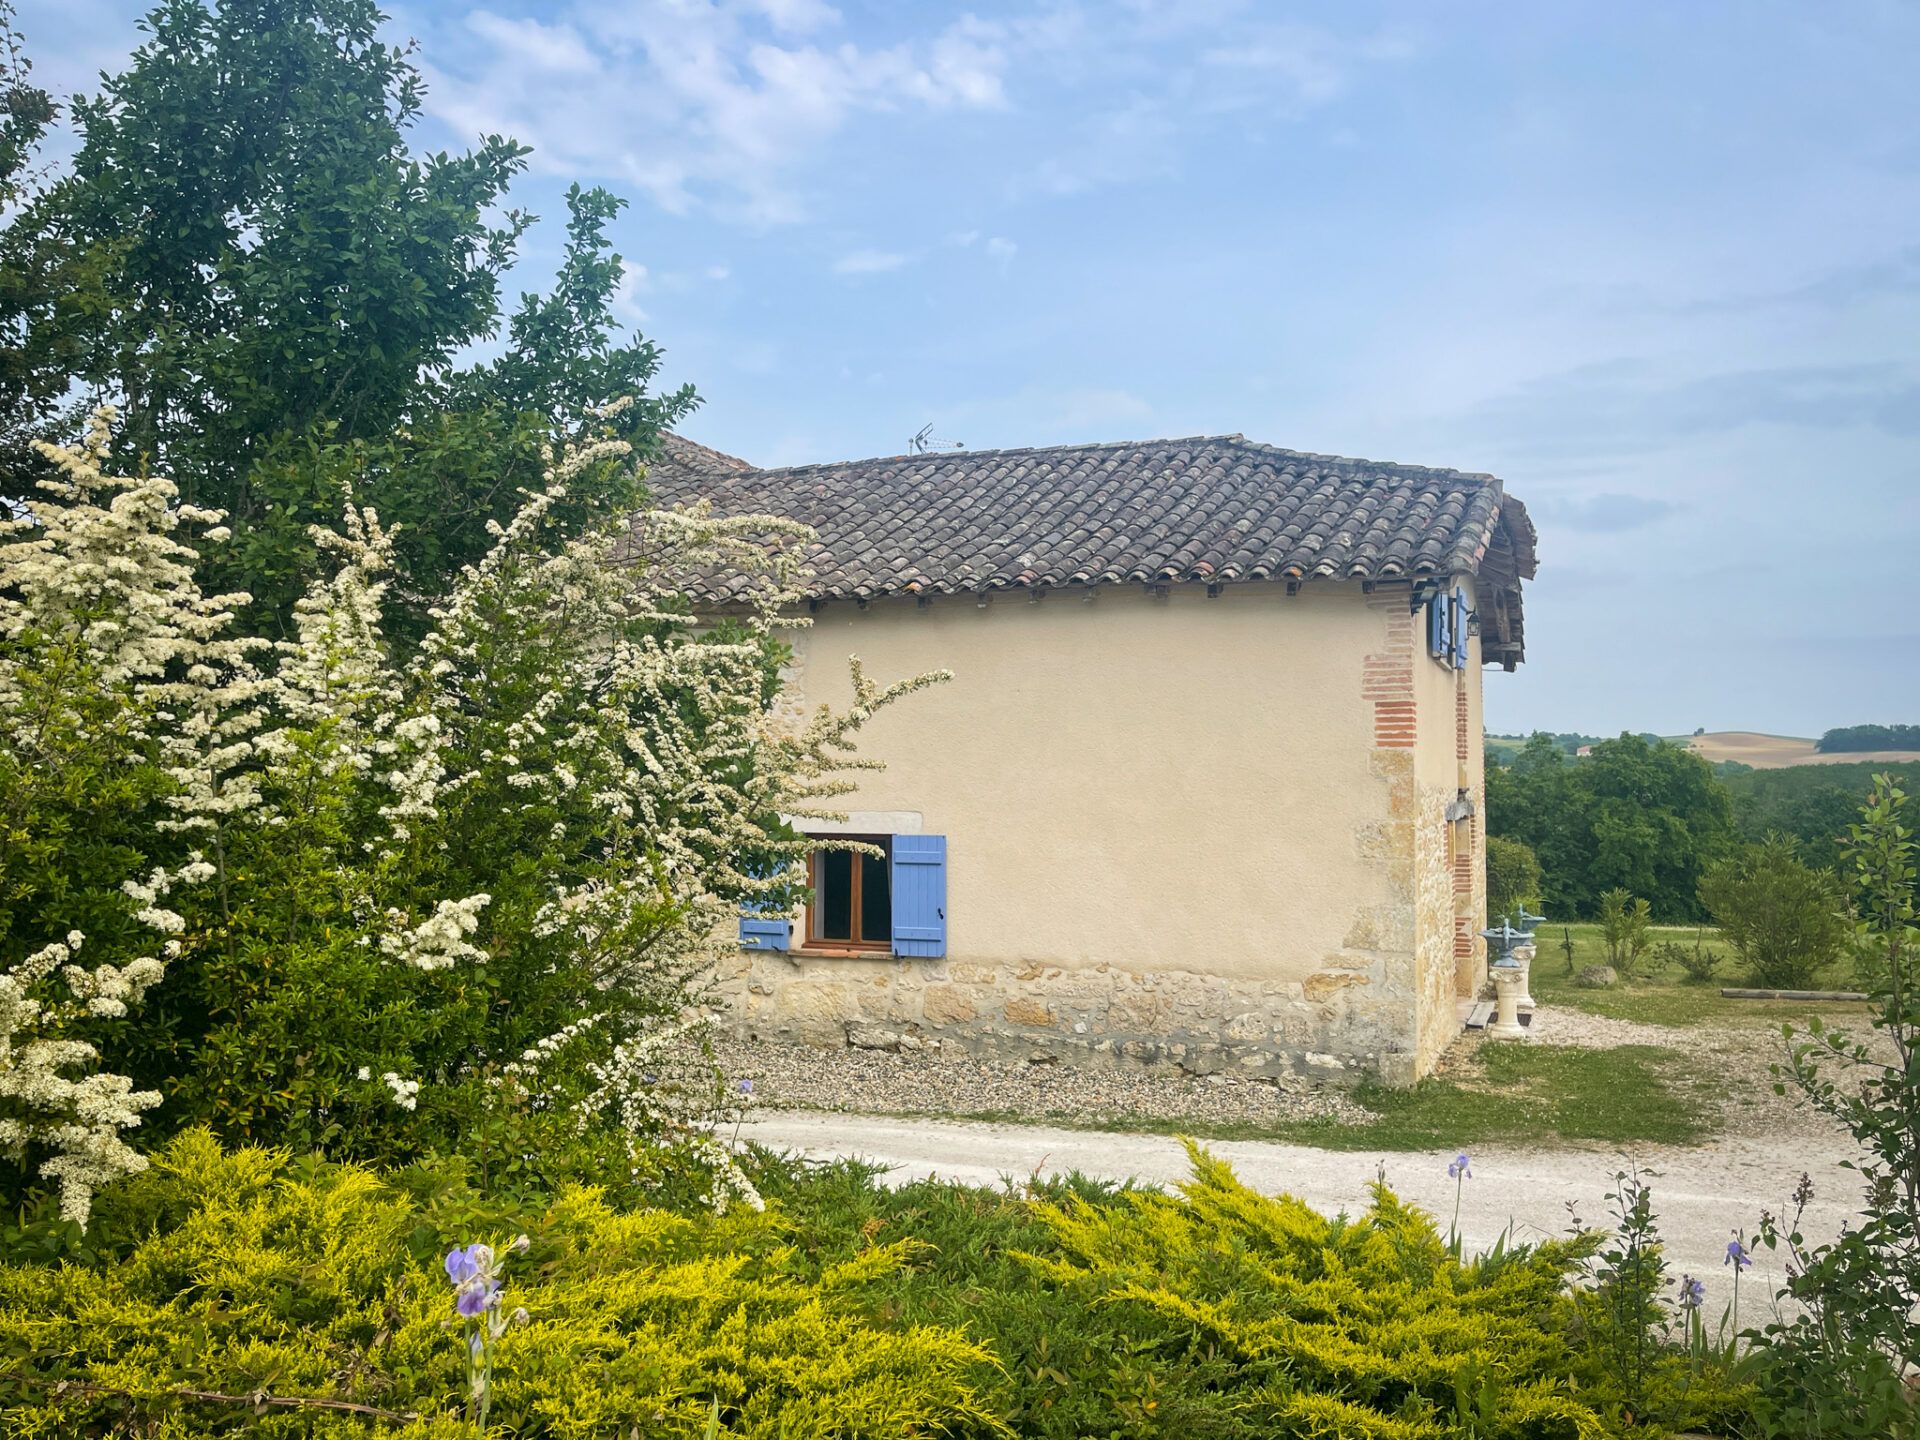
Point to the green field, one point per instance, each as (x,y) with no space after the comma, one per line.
(1663,994)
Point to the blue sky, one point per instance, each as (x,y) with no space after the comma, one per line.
(1655,265)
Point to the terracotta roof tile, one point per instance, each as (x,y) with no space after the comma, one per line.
(1220,509)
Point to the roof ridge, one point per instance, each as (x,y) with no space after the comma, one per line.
(1235,438)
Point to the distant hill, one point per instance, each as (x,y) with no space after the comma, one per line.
(1775,752)
(1727,747)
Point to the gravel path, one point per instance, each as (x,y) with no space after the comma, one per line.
(939,1083)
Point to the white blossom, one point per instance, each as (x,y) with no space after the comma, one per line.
(440,941)
(406,1093)
(46,1096)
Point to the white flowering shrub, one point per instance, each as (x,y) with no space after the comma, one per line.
(329,893)
(106,644)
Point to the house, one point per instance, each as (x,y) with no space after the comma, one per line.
(1206,788)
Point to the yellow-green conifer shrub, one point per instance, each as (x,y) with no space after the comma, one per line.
(1361,1329)
(291,1281)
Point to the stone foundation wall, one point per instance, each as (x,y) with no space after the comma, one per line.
(1324,1028)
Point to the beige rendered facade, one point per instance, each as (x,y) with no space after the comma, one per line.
(1228,828)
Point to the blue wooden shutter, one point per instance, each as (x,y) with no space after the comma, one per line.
(1437,640)
(760,930)
(919,877)
(759,933)
(1459,622)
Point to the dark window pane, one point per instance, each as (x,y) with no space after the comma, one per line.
(876,901)
(836,895)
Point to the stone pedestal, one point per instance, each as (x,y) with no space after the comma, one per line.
(1508,984)
(1524,954)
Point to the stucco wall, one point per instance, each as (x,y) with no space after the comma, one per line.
(1180,828)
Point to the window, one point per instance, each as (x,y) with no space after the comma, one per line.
(891,903)
(852,903)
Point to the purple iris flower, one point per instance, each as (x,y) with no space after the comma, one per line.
(475,1300)
(1737,1255)
(462,1264)
(1692,1293)
(1459,1167)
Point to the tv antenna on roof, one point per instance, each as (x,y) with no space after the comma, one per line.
(923,441)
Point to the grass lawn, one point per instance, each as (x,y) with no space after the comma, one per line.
(1529,1094)
(1663,994)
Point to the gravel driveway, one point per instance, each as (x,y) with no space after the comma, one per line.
(949,1082)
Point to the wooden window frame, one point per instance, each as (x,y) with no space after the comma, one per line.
(818,943)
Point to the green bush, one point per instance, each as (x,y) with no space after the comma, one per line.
(360,899)
(1513,876)
(221,1288)
(1624,926)
(1697,961)
(1368,1327)
(1842,1360)
(1786,921)
(273,1281)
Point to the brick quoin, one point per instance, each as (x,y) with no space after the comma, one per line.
(1386,680)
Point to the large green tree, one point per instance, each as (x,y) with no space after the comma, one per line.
(245,255)
(1638,814)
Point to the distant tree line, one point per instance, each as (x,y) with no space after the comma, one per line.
(1570,741)
(1869,737)
(1651,817)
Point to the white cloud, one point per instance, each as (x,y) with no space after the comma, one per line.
(714,105)
(718,272)
(1136,140)
(868,262)
(1312,66)
(626,304)
(555,49)
(797,17)
(1001,251)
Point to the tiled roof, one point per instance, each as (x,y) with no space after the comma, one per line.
(1216,509)
(679,453)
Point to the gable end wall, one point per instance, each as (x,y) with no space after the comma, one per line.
(1181,829)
